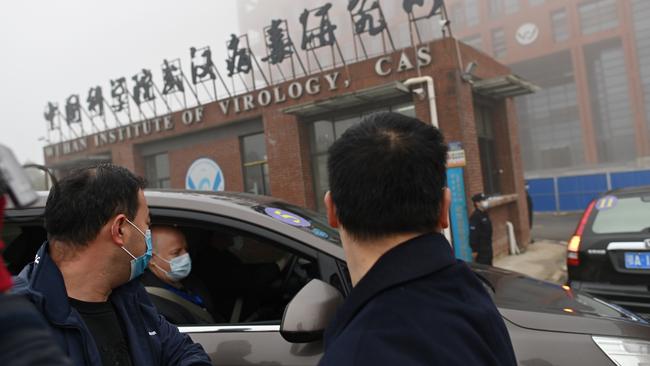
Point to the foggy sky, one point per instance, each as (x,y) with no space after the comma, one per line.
(51,49)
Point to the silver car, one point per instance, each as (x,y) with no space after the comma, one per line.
(277,317)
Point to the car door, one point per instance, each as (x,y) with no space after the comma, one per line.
(239,341)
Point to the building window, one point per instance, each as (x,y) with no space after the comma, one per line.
(560,24)
(494,8)
(498,43)
(457,16)
(610,102)
(474,41)
(156,170)
(535,2)
(641,14)
(550,131)
(323,134)
(471,13)
(256,167)
(597,16)
(511,6)
(487,149)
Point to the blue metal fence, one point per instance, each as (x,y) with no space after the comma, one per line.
(542,192)
(573,193)
(630,179)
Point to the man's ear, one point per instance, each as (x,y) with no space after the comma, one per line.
(332,219)
(445,204)
(117,230)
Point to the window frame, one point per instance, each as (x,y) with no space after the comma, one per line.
(263,165)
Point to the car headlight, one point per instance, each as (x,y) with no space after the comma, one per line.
(625,352)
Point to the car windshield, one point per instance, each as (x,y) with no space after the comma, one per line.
(626,215)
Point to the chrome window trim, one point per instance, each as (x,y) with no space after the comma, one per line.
(228,328)
(631,245)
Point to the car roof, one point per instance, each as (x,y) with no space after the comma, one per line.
(630,191)
(239,206)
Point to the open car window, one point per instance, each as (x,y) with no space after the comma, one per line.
(241,277)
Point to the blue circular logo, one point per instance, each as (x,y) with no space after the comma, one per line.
(205,175)
(286,217)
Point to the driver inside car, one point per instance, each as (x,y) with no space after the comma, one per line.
(243,291)
(177,295)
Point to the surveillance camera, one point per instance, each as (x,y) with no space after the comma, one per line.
(419,92)
(444,22)
(469,69)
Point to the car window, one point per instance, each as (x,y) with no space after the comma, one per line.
(241,277)
(22,240)
(623,215)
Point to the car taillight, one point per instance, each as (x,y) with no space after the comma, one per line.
(572,257)
(572,251)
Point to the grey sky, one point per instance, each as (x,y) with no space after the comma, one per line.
(51,49)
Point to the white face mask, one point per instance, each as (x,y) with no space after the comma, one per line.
(180,267)
(484,204)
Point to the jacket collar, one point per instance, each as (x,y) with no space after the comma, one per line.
(43,282)
(406,262)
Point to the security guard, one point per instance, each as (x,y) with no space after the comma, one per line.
(480,231)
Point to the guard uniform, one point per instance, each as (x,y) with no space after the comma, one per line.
(480,233)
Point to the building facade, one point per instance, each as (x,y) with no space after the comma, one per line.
(273,140)
(592,60)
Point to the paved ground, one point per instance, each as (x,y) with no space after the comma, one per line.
(557,227)
(544,260)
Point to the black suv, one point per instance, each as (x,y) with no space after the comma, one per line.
(609,254)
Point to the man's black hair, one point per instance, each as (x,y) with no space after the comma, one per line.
(81,203)
(387,176)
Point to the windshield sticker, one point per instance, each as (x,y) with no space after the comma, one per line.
(606,203)
(286,217)
(319,233)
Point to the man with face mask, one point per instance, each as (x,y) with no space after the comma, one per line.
(480,231)
(99,240)
(178,296)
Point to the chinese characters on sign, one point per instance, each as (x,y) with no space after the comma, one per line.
(95,101)
(408,6)
(143,89)
(202,65)
(370,19)
(321,35)
(172,77)
(278,43)
(119,94)
(51,110)
(72,109)
(239,58)
(318,31)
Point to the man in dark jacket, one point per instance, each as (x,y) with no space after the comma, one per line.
(480,231)
(81,279)
(412,303)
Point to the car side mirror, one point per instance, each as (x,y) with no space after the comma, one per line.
(309,312)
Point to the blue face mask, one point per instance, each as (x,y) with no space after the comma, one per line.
(139,264)
(180,267)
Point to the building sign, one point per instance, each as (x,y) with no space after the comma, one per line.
(456,155)
(205,175)
(125,133)
(385,65)
(527,34)
(133,104)
(458,214)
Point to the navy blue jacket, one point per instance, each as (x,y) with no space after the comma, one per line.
(418,305)
(151,339)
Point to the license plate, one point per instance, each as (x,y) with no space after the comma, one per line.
(638,260)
